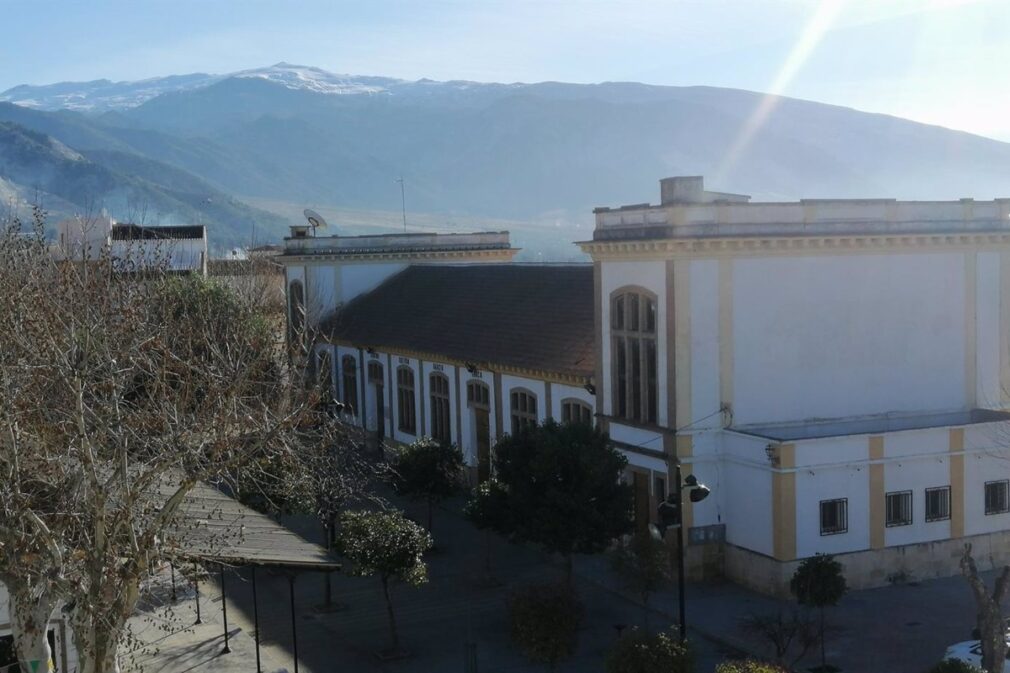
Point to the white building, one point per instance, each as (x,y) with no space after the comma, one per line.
(175,248)
(836,370)
(436,337)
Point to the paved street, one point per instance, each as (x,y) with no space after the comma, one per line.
(900,629)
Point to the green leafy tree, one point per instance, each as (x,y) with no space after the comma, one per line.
(488,511)
(643,563)
(386,544)
(558,486)
(544,621)
(749,666)
(640,652)
(428,470)
(819,583)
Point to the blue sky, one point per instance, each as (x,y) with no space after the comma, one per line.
(937,61)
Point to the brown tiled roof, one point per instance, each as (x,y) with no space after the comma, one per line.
(526,316)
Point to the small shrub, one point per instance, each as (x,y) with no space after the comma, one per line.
(544,621)
(749,666)
(954,666)
(638,652)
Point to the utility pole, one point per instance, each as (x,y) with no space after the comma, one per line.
(403,203)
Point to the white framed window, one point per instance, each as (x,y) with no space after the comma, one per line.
(576,411)
(524,409)
(938,503)
(834,516)
(406,412)
(996,497)
(633,354)
(898,509)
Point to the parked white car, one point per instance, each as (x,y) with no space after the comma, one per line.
(970,652)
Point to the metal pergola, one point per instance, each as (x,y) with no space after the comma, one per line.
(218,530)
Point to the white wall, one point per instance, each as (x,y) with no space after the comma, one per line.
(820,477)
(830,337)
(356,279)
(987,458)
(745,492)
(921,460)
(987,312)
(704,320)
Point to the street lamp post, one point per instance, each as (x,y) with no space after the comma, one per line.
(671,513)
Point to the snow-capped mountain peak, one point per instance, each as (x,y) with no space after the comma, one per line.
(318,80)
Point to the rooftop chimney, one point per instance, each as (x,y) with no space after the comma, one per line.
(682,189)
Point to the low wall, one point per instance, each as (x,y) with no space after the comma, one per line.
(872,568)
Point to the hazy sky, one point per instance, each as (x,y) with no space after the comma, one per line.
(939,61)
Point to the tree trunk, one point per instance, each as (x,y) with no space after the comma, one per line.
(824,656)
(393,638)
(989,613)
(429,516)
(29,617)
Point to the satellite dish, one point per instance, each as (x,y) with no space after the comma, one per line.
(315,219)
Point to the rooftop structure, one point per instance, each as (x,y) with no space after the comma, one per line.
(490,244)
(687,211)
(530,317)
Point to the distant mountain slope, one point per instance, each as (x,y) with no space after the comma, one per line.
(300,134)
(100,95)
(129,187)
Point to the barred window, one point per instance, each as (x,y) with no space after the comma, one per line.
(524,410)
(898,506)
(406,410)
(349,373)
(633,338)
(440,428)
(478,395)
(576,411)
(996,500)
(834,516)
(938,503)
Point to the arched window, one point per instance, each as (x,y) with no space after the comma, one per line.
(349,373)
(576,411)
(478,395)
(406,412)
(523,409)
(440,428)
(375,372)
(633,355)
(296,312)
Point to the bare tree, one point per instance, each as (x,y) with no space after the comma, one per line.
(989,612)
(782,631)
(120,392)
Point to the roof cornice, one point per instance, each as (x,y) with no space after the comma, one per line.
(790,245)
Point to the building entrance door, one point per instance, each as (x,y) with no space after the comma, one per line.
(482,425)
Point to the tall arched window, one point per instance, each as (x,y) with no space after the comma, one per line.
(576,411)
(440,428)
(523,409)
(406,413)
(296,312)
(349,374)
(633,355)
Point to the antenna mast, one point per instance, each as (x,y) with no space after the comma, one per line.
(403,204)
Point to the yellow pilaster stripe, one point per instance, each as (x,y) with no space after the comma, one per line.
(877,502)
(726,332)
(957,483)
(1004,326)
(970,338)
(682,344)
(784,504)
